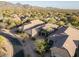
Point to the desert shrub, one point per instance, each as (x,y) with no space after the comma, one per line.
(41,45)
(52,20)
(61,23)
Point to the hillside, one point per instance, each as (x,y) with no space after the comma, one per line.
(54,15)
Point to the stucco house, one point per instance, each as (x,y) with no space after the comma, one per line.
(30,28)
(47,29)
(15,17)
(33,27)
(65,42)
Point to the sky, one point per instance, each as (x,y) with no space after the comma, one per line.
(56,4)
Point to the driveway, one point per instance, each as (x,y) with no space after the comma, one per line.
(21,49)
(29,48)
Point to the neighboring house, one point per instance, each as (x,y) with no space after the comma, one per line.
(15,17)
(57,18)
(65,42)
(50,25)
(47,29)
(31,28)
(23,17)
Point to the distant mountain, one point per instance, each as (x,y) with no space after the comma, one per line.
(3,3)
(8,4)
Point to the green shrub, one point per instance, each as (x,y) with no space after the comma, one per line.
(52,20)
(61,23)
(41,44)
